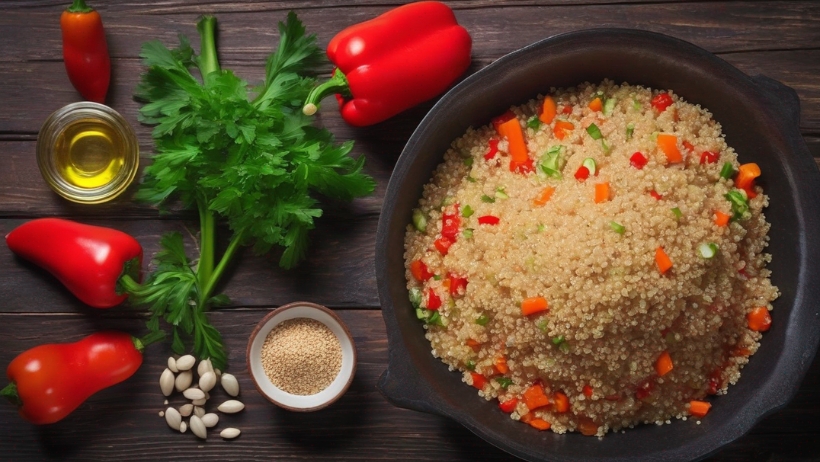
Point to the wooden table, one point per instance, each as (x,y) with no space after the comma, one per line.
(775,38)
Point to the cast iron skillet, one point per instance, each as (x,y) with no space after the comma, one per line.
(760,120)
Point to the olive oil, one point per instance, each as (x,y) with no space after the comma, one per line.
(89,153)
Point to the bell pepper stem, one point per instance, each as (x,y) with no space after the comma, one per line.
(337,84)
(152,337)
(10,393)
(79,6)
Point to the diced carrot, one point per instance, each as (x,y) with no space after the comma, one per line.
(540,424)
(663,364)
(548,110)
(601,192)
(534,305)
(759,319)
(721,219)
(669,145)
(740,351)
(662,260)
(419,271)
(561,402)
(596,105)
(509,405)
(501,365)
(745,179)
(534,397)
(561,128)
(587,391)
(478,380)
(655,195)
(507,125)
(473,344)
(689,146)
(544,197)
(699,408)
(587,426)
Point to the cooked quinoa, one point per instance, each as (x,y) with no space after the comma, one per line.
(608,323)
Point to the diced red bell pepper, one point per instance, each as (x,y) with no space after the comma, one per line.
(493,149)
(458,285)
(587,391)
(420,271)
(644,389)
(709,157)
(443,244)
(582,173)
(714,382)
(478,380)
(661,101)
(433,300)
(488,220)
(655,194)
(566,110)
(688,146)
(509,405)
(450,224)
(638,160)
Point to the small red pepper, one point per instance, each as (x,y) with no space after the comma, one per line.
(49,381)
(393,62)
(638,160)
(661,101)
(488,220)
(88,260)
(85,51)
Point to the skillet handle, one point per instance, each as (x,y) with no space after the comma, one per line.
(401,385)
(784,97)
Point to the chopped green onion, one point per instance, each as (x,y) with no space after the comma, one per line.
(617,227)
(541,227)
(605,146)
(558,340)
(436,319)
(482,320)
(471,179)
(421,313)
(708,250)
(437,277)
(467,211)
(589,163)
(499,193)
(654,137)
(740,203)
(564,347)
(468,161)
(677,212)
(594,132)
(630,128)
(727,171)
(415,297)
(504,382)
(534,123)
(609,106)
(487,199)
(449,200)
(419,220)
(467,233)
(542,324)
(551,162)
(470,365)
(636,105)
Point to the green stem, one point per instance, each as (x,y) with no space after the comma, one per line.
(337,84)
(10,393)
(152,337)
(208,61)
(207,244)
(236,239)
(79,6)
(127,285)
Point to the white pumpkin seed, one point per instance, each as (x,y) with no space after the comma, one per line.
(172,364)
(229,433)
(173,418)
(230,384)
(162,413)
(186,410)
(193,393)
(231,406)
(183,380)
(166,382)
(199,411)
(185,363)
(204,366)
(210,419)
(198,428)
(165,402)
(182,427)
(207,381)
(199,402)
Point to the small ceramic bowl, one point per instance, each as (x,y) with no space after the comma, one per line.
(283,399)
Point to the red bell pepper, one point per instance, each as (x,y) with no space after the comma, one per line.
(394,62)
(49,381)
(88,260)
(85,51)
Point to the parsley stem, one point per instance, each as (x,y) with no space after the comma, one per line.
(207,61)
(207,239)
(236,239)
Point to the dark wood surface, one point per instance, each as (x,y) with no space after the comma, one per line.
(779,39)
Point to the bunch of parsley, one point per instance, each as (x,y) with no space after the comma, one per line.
(246,158)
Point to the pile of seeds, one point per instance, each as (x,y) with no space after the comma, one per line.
(179,376)
(301,356)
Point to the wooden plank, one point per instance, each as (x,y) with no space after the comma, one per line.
(122,422)
(338,271)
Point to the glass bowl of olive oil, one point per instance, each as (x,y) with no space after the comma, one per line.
(87,152)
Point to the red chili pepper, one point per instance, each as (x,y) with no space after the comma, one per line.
(709,157)
(88,260)
(443,245)
(582,173)
(433,300)
(509,405)
(488,220)
(661,101)
(458,285)
(638,160)
(49,381)
(493,149)
(450,223)
(394,62)
(85,51)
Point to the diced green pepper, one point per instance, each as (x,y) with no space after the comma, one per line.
(727,171)
(487,199)
(609,106)
(482,320)
(467,233)
(630,128)
(617,227)
(594,132)
(419,220)
(552,162)
(467,211)
(504,382)
(534,123)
